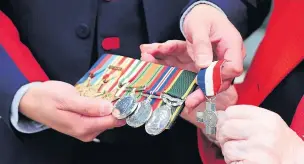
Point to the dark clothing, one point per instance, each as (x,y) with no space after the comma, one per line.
(65,38)
(291,90)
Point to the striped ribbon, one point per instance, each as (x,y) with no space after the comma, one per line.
(141,71)
(126,65)
(147,78)
(209,79)
(160,83)
(181,87)
(114,74)
(85,77)
(99,78)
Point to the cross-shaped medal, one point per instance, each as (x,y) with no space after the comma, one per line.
(208,117)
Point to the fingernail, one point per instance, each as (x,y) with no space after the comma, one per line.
(115,113)
(202,62)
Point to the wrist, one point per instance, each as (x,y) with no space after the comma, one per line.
(199,4)
(27,101)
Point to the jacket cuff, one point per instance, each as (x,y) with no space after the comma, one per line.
(186,12)
(20,122)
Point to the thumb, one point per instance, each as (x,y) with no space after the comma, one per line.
(87,106)
(202,48)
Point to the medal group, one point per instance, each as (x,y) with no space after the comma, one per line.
(143,93)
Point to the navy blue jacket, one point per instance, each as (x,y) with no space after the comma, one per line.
(65,36)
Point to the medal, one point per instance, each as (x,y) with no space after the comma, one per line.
(141,114)
(125,105)
(209,81)
(144,110)
(208,117)
(162,115)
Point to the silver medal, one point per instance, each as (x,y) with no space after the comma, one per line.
(141,114)
(208,117)
(161,116)
(126,106)
(159,120)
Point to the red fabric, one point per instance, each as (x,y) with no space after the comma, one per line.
(18,52)
(279,53)
(111,43)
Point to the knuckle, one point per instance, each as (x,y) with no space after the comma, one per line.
(238,70)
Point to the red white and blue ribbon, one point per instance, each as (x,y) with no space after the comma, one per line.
(209,79)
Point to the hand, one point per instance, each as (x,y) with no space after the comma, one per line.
(174,53)
(223,101)
(204,35)
(59,106)
(249,134)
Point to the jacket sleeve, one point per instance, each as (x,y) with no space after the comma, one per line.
(17,66)
(245,15)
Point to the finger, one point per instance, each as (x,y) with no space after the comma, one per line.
(235,129)
(231,69)
(149,58)
(88,106)
(149,48)
(244,112)
(194,99)
(235,151)
(202,47)
(173,47)
(231,48)
(101,124)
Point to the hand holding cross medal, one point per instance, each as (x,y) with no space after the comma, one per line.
(209,80)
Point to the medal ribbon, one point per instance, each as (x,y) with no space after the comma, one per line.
(134,75)
(209,79)
(181,87)
(147,78)
(98,79)
(159,83)
(114,74)
(131,72)
(87,75)
(124,69)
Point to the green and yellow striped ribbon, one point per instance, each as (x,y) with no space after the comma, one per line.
(181,87)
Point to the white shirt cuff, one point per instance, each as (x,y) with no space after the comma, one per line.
(181,22)
(20,122)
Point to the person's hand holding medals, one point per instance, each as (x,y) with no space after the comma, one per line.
(178,54)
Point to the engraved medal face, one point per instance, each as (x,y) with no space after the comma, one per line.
(126,106)
(159,120)
(141,114)
(210,118)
